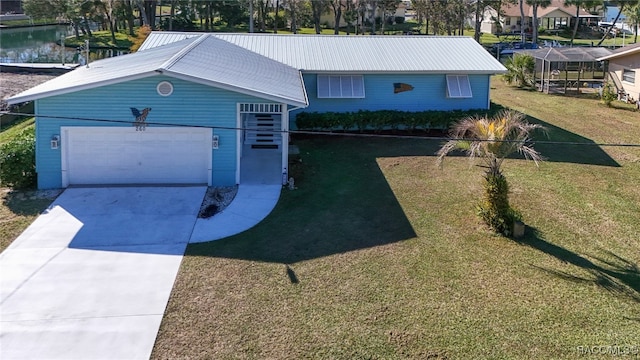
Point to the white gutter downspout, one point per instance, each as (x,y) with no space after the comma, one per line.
(285,131)
(284,128)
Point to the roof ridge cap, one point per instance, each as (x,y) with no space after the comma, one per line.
(183,52)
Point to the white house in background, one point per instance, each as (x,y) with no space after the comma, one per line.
(552,17)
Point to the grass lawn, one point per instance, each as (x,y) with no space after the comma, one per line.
(100,39)
(379,254)
(18,209)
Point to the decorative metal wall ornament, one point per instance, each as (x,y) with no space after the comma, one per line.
(141,117)
(401,87)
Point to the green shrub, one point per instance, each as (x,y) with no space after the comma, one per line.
(608,94)
(380,120)
(18,161)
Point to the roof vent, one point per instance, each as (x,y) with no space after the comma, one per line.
(164,88)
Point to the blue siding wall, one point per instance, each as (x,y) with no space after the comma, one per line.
(429,93)
(190,104)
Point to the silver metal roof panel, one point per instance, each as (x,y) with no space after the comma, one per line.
(324,53)
(340,53)
(192,59)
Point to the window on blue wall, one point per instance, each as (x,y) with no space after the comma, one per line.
(340,86)
(458,86)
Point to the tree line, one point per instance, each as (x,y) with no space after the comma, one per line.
(438,17)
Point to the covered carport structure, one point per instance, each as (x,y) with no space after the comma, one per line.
(567,69)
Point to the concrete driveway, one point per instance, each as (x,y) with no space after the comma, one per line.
(91,277)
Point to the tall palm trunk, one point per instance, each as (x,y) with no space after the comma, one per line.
(275,17)
(575,26)
(522,35)
(534,32)
(478,18)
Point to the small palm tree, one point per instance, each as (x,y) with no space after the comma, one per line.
(520,69)
(493,140)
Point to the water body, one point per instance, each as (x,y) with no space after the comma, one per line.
(38,44)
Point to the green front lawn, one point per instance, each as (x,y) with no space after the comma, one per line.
(18,209)
(379,254)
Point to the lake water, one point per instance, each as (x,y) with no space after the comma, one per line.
(37,44)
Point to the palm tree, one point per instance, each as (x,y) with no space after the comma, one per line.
(493,140)
(633,16)
(520,69)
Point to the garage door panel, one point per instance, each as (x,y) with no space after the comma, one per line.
(105,155)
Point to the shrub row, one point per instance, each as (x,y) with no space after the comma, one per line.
(377,121)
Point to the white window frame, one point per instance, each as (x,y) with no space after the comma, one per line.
(459,87)
(630,74)
(344,86)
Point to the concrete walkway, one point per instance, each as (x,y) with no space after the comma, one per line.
(250,206)
(91,277)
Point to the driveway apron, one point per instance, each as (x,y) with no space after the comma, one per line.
(91,277)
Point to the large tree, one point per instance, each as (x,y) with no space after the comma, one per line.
(580,4)
(522,21)
(337,6)
(389,8)
(535,4)
(106,8)
(318,7)
(350,14)
(493,140)
(633,16)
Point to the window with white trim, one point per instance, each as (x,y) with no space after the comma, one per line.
(629,76)
(458,86)
(340,86)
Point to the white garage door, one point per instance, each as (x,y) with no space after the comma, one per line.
(122,155)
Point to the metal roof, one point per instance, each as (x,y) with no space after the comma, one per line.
(361,54)
(167,37)
(191,59)
(569,54)
(103,72)
(623,51)
(267,65)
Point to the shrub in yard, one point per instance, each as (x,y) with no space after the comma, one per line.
(520,70)
(18,161)
(608,94)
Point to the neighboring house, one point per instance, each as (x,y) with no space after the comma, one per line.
(552,17)
(204,102)
(624,70)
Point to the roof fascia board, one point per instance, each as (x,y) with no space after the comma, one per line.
(259,94)
(304,89)
(435,72)
(620,54)
(20,99)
